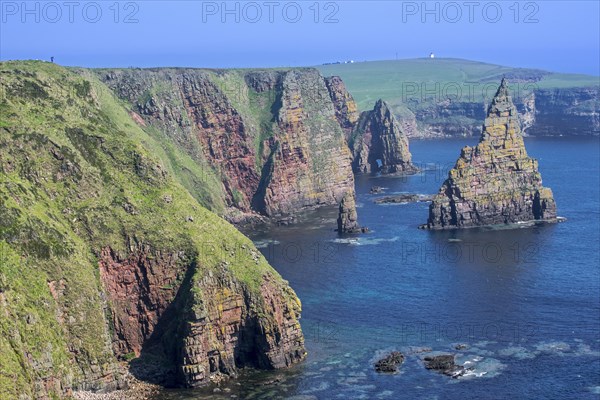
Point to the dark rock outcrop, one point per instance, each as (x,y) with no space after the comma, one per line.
(495,182)
(403,198)
(347,221)
(444,364)
(390,363)
(378,143)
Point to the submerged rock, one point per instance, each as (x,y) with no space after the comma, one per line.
(418,350)
(288,220)
(403,198)
(376,190)
(495,182)
(390,363)
(347,218)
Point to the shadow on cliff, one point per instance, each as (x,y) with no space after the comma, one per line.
(162,355)
(258,202)
(157,363)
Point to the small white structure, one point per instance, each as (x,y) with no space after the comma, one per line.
(431,55)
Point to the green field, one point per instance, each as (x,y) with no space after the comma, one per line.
(399,80)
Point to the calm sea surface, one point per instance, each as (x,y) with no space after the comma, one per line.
(525,301)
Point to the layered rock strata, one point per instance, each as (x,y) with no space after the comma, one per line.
(346,110)
(379,144)
(495,182)
(266,141)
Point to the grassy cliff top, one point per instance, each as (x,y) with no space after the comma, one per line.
(371,80)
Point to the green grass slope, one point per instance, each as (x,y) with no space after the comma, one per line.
(370,81)
(77,174)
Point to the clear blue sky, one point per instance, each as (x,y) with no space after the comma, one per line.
(554,35)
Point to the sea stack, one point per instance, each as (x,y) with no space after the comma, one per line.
(378,143)
(495,182)
(347,218)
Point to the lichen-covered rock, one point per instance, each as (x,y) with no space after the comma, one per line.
(231,328)
(378,143)
(307,163)
(495,182)
(346,110)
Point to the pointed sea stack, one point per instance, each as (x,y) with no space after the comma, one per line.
(378,143)
(495,182)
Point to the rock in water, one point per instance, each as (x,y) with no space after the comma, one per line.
(378,143)
(495,182)
(445,364)
(403,199)
(389,363)
(347,218)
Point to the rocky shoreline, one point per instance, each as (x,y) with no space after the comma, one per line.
(136,390)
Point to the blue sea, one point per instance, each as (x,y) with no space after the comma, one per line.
(524,301)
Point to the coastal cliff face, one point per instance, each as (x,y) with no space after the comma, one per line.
(265,141)
(446,118)
(308,162)
(437,98)
(542,112)
(107,258)
(224,331)
(346,110)
(201,327)
(379,144)
(573,111)
(495,182)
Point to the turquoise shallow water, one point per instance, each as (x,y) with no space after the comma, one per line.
(525,301)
